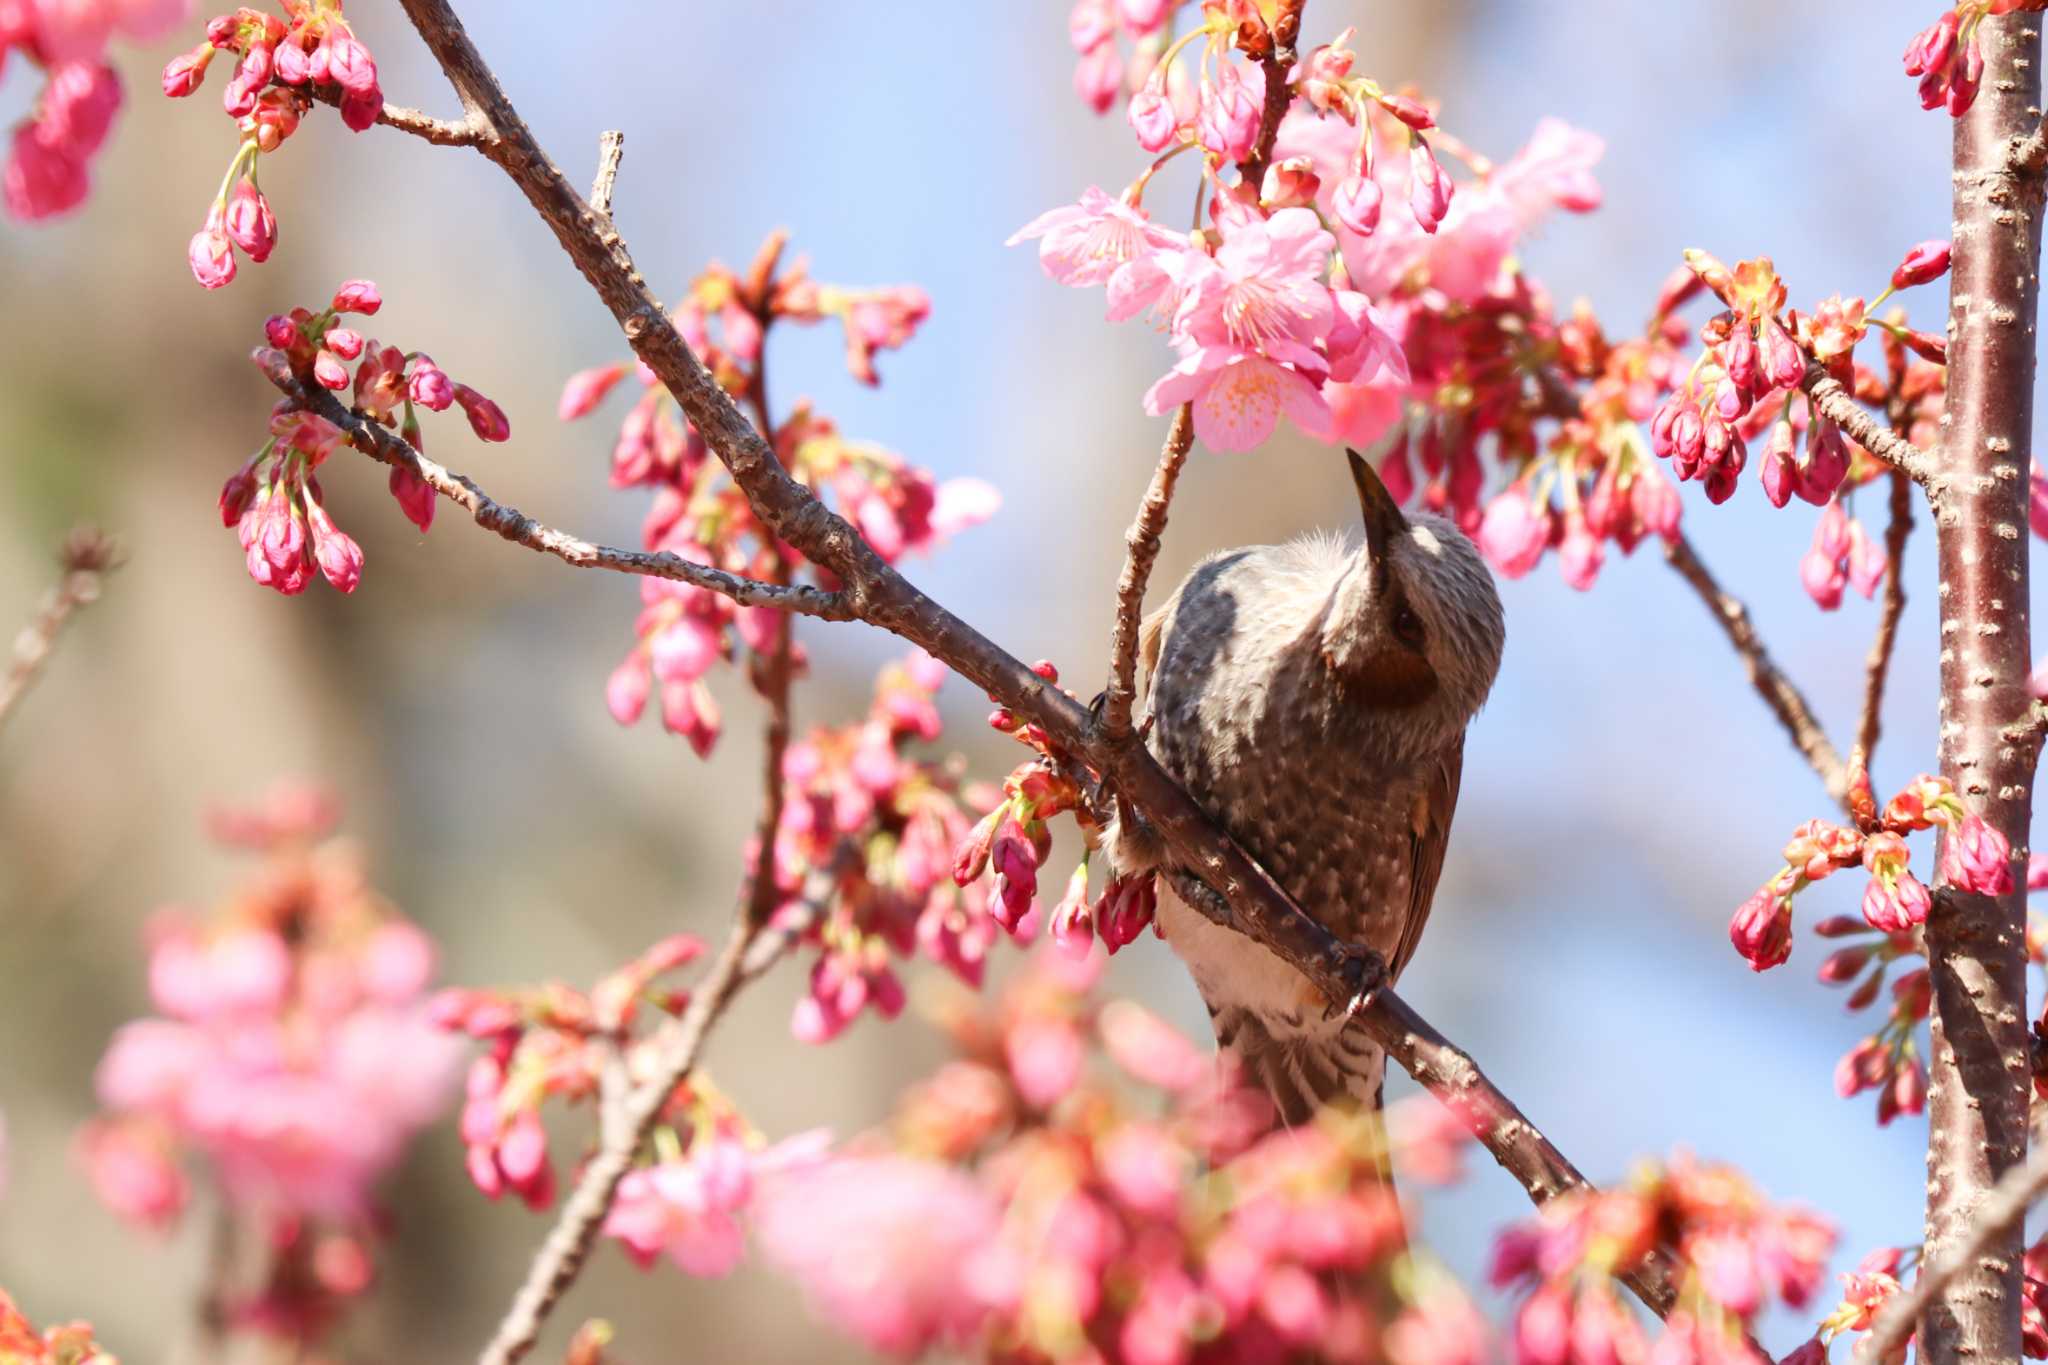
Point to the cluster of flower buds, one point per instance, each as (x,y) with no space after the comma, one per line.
(1032,1201)
(1975,858)
(274,500)
(549,1042)
(878,824)
(280,64)
(1945,56)
(72,1343)
(684,1196)
(1843,554)
(292,1055)
(1102,72)
(1738,1253)
(701,515)
(1750,357)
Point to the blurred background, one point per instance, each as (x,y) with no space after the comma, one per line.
(1624,790)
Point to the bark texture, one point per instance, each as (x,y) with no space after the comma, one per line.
(1979,1074)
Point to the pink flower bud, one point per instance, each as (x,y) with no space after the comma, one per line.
(349,65)
(1429,188)
(1152,117)
(1895,905)
(1513,534)
(1357,204)
(292,63)
(340,558)
(237,493)
(1778,355)
(211,258)
(358,296)
(1073,922)
(1126,907)
(1867,1064)
(625,692)
(1867,560)
(415,497)
(1929,49)
(1761,929)
(1964,78)
(1291,182)
(486,418)
(1227,118)
(359,109)
(1827,462)
(1925,262)
(185,72)
(1143,16)
(1579,553)
(345,342)
(1845,964)
(1777,469)
(1410,111)
(970,860)
(1976,858)
(586,389)
(328,371)
(1098,75)
(430,386)
(1656,503)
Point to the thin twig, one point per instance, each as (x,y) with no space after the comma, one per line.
(883,597)
(87,557)
(2003,1206)
(1285,29)
(568,1243)
(1141,549)
(1878,667)
(420,124)
(381,443)
(1786,701)
(1839,406)
(611,149)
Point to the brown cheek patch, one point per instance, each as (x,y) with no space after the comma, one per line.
(1392,677)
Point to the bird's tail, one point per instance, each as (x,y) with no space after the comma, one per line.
(1303,1073)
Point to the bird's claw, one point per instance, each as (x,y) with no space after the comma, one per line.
(1364,972)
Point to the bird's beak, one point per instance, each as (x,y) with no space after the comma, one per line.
(1383,519)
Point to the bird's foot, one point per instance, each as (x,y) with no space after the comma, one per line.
(1202,898)
(1364,972)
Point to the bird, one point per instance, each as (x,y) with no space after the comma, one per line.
(1313,698)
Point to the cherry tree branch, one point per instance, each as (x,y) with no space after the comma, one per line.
(562,1255)
(1878,667)
(2000,1213)
(1285,29)
(87,557)
(1141,549)
(1839,406)
(381,443)
(1979,1082)
(441,132)
(1786,701)
(880,595)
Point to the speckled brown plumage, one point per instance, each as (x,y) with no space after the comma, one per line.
(1314,699)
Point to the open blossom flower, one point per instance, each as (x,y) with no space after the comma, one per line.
(689,1209)
(69,1344)
(1103,240)
(292,1061)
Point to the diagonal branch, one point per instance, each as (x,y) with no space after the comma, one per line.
(381,443)
(1785,699)
(881,596)
(87,557)
(1878,668)
(1839,406)
(1141,549)
(1999,1213)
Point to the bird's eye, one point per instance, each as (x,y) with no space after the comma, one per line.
(1408,627)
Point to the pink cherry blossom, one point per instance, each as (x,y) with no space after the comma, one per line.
(1103,240)
(898,1252)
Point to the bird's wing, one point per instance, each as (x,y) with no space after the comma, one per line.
(1429,833)
(1151,632)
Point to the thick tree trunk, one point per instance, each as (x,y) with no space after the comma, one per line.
(1977,1101)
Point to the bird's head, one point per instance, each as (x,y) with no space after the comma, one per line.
(1413,623)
